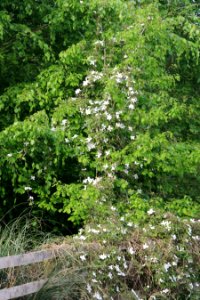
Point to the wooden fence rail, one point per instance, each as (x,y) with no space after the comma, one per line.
(22,260)
(25,259)
(21,290)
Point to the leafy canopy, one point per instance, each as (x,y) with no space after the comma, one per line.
(99,106)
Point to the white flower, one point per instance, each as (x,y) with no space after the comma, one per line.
(103,256)
(165,291)
(119,77)
(99,154)
(120,125)
(123,230)
(129,224)
(83,257)
(28,188)
(117,268)
(99,43)
(131,250)
(121,273)
(96,231)
(88,180)
(97,180)
(110,275)
(91,146)
(196,238)
(77,91)
(97,296)
(113,208)
(150,211)
(107,152)
(152,227)
(74,136)
(167,266)
(32,177)
(64,121)
(89,288)
(108,117)
(92,62)
(88,111)
(103,126)
(132,137)
(166,224)
(131,106)
(82,237)
(113,168)
(31,198)
(86,82)
(173,236)
(9,154)
(88,139)
(133,100)
(106,102)
(191,285)
(154,259)
(145,246)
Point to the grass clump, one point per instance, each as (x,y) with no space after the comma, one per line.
(18,237)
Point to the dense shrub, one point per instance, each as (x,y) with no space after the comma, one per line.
(99,105)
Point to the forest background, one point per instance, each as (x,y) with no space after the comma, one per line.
(99,112)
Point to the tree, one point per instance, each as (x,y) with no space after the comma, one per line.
(99,106)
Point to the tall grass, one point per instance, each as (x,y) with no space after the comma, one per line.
(23,234)
(20,236)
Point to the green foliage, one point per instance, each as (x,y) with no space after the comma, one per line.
(99,106)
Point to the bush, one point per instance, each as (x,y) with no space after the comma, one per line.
(112,113)
(122,260)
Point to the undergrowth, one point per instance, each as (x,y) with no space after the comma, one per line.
(118,259)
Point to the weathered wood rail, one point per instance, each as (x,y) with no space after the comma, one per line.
(32,258)
(22,260)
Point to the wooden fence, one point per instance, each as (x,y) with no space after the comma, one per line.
(22,260)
